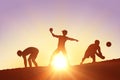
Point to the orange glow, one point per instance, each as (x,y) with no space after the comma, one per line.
(59,62)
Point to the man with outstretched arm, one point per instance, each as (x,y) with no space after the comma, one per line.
(61,43)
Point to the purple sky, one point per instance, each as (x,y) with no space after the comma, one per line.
(23,23)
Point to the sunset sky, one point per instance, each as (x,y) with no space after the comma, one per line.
(25,23)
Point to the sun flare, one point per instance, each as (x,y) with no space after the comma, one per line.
(59,62)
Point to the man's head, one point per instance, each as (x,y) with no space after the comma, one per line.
(97,42)
(19,53)
(64,32)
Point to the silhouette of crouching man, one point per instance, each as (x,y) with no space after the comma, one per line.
(32,52)
(92,50)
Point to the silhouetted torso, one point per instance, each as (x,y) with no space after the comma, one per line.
(61,42)
(30,50)
(92,48)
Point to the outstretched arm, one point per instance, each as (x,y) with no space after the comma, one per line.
(72,39)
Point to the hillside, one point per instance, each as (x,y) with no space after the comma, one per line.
(105,70)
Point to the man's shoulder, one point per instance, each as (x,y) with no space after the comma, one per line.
(93,45)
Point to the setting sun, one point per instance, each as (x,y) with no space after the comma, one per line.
(59,62)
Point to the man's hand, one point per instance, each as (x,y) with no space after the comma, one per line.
(51,30)
(76,40)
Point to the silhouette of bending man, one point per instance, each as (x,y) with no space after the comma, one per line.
(61,43)
(92,50)
(32,52)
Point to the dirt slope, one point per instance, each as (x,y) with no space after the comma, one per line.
(106,70)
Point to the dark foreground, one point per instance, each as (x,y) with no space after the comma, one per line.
(107,70)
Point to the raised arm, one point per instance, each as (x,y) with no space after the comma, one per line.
(51,31)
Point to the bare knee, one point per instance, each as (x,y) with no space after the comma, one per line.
(33,60)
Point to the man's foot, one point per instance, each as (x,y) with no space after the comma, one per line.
(81,63)
(102,57)
(49,65)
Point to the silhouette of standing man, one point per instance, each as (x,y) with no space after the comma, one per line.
(92,50)
(32,52)
(61,43)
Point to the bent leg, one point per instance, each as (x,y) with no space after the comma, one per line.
(29,60)
(33,59)
(86,55)
(52,56)
(94,59)
(83,60)
(35,63)
(65,54)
